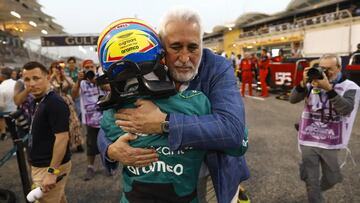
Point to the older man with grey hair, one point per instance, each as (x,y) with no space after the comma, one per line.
(331,103)
(192,68)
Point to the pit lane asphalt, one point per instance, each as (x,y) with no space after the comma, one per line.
(272,157)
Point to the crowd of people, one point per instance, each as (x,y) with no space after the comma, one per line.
(11,49)
(168,115)
(302,21)
(252,69)
(47,99)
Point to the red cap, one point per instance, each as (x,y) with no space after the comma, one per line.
(87,62)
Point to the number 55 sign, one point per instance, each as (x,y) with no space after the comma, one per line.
(283,78)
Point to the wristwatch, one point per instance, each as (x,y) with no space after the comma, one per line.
(53,171)
(165,124)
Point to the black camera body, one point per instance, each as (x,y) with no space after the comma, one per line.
(20,120)
(89,74)
(315,73)
(60,66)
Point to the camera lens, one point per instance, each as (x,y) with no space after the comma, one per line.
(315,73)
(89,74)
(20,119)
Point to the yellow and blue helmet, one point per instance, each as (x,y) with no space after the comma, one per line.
(128,39)
(130,51)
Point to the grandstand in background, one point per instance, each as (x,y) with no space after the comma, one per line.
(21,21)
(304,29)
(307,28)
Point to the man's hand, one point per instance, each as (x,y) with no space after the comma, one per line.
(323,84)
(305,77)
(81,75)
(121,151)
(146,118)
(26,90)
(48,182)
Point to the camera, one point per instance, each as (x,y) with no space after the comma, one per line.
(60,66)
(315,73)
(20,120)
(89,74)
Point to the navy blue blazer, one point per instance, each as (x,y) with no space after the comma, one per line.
(223,129)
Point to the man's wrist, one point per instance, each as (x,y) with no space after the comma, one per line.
(107,154)
(27,90)
(107,158)
(53,171)
(165,124)
(302,83)
(331,94)
(300,87)
(328,88)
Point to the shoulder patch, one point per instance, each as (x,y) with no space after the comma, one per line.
(189,93)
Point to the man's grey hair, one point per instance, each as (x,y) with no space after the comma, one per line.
(332,56)
(180,14)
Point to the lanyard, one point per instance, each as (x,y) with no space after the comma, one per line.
(324,100)
(36,109)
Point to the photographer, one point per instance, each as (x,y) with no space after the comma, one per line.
(331,103)
(89,93)
(60,81)
(62,85)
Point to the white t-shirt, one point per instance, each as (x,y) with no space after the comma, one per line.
(7,103)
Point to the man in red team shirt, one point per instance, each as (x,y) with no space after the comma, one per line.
(246,74)
(263,67)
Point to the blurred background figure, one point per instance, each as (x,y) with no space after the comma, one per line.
(263,67)
(233,59)
(280,57)
(7,104)
(88,92)
(246,74)
(14,75)
(296,51)
(7,91)
(254,66)
(237,69)
(356,55)
(62,85)
(23,100)
(72,71)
